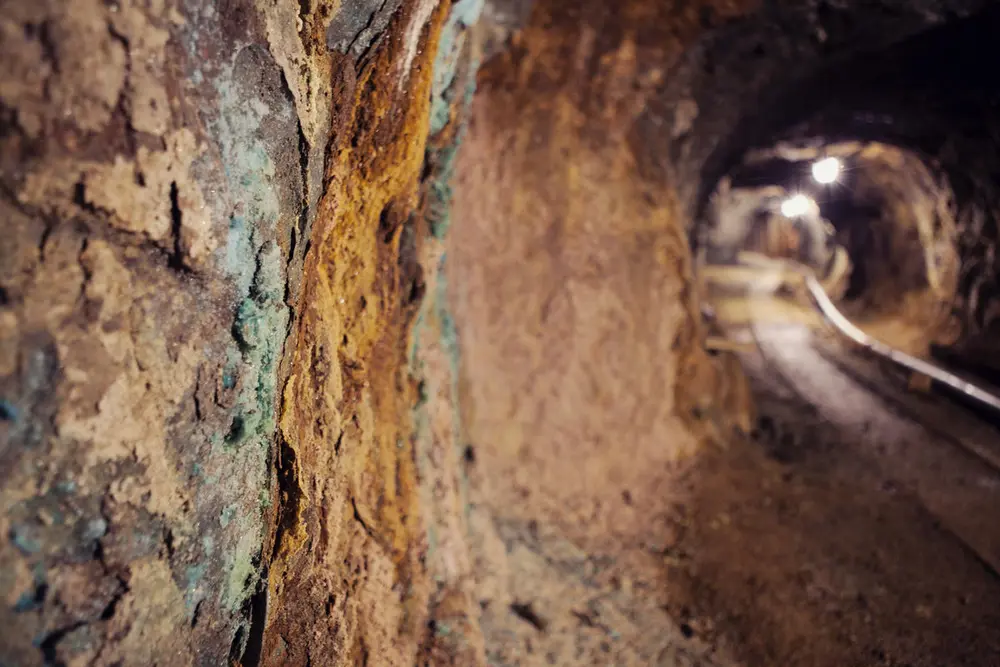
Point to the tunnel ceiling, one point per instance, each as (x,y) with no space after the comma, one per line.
(742,83)
(932,94)
(920,92)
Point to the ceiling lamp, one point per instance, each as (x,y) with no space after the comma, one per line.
(827,170)
(796,206)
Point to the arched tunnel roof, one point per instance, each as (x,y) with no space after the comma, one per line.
(934,92)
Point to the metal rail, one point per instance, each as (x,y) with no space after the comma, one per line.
(969,540)
(845,327)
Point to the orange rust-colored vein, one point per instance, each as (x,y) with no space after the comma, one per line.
(346,404)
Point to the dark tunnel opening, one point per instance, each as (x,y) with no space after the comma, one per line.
(914,93)
(930,101)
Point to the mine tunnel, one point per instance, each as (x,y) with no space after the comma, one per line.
(499,332)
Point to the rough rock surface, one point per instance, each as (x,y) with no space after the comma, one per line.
(353,568)
(230,376)
(585,391)
(162,171)
(152,199)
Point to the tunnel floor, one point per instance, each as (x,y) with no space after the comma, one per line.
(878,543)
(854,526)
(846,542)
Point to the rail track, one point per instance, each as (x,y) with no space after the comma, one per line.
(944,454)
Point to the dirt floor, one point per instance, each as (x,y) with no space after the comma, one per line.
(789,548)
(809,548)
(862,516)
(840,532)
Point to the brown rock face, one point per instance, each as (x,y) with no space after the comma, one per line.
(137,383)
(570,272)
(213,260)
(162,171)
(347,554)
(585,391)
(288,379)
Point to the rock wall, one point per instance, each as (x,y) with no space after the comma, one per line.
(584,387)
(905,255)
(230,372)
(154,183)
(369,524)
(212,261)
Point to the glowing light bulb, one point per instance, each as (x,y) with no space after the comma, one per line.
(796,205)
(827,170)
